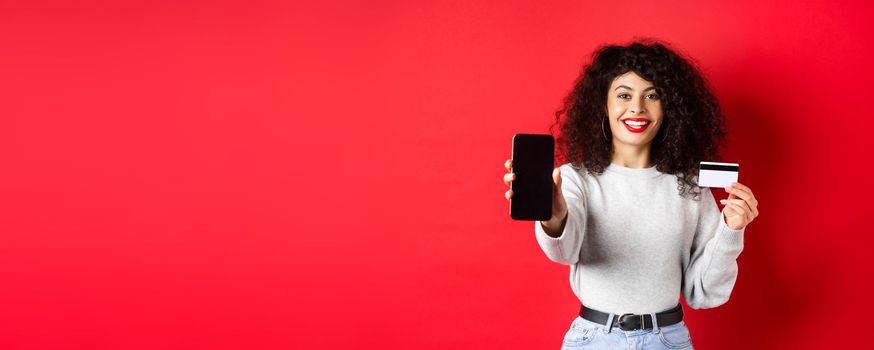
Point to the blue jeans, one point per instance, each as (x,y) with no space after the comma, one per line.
(585,334)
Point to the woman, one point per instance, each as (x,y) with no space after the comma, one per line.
(628,216)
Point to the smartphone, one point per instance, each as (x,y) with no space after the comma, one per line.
(533,160)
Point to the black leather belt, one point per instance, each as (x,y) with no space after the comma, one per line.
(630,322)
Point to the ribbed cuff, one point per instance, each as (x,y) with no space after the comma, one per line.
(731,239)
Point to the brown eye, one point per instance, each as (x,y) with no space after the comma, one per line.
(624,96)
(652,96)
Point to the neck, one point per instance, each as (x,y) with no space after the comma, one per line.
(631,156)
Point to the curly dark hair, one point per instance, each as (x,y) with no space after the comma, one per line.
(693,128)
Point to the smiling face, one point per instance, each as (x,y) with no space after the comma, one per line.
(634,109)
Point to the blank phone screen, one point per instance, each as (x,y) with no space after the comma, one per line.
(533,160)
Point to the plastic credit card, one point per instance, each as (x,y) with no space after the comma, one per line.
(715,174)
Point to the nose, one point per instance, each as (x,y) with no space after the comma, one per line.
(637,106)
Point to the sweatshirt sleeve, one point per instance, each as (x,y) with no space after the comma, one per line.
(565,249)
(711,270)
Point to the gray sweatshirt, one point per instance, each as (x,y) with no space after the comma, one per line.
(633,244)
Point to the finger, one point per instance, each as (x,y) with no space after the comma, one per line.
(747,197)
(743,204)
(508,194)
(742,186)
(556,177)
(728,190)
(747,215)
(753,205)
(741,191)
(735,201)
(730,211)
(508,164)
(744,192)
(509,177)
(738,193)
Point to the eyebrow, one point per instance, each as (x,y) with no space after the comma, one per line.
(623,86)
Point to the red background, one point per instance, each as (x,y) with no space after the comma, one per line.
(284,175)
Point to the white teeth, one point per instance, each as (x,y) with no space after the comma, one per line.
(633,123)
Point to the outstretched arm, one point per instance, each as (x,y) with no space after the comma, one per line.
(562,239)
(711,270)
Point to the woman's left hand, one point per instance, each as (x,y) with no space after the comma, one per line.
(740,207)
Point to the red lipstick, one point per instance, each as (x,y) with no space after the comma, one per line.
(635,129)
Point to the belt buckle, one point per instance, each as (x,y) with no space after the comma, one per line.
(626,322)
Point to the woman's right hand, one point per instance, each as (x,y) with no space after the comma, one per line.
(559,206)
